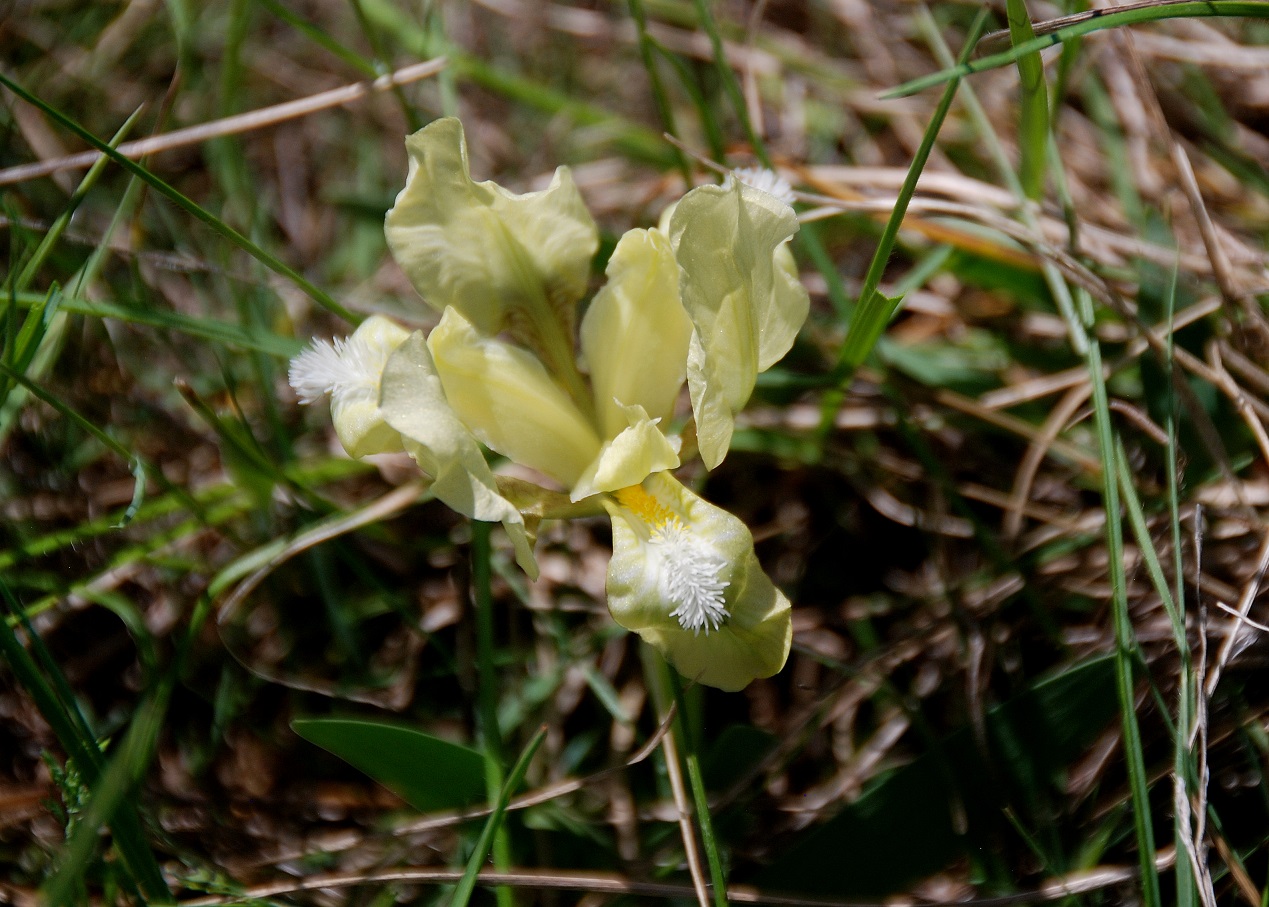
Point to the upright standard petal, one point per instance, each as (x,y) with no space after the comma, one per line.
(635,333)
(684,576)
(742,302)
(413,403)
(507,399)
(506,261)
(349,370)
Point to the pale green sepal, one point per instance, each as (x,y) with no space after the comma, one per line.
(638,451)
(482,249)
(354,405)
(754,638)
(635,333)
(742,304)
(413,402)
(509,401)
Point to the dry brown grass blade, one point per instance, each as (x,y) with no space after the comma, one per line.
(233,125)
(1234,628)
(612,883)
(682,806)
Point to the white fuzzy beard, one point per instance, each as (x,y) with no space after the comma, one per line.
(689,578)
(346,369)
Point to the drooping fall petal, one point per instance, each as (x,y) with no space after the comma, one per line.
(684,576)
(413,402)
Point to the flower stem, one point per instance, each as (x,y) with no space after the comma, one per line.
(487,691)
(683,730)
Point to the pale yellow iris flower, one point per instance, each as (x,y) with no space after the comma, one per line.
(710,298)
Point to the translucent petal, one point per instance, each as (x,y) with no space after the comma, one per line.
(505,261)
(504,395)
(413,403)
(743,304)
(675,552)
(637,452)
(635,333)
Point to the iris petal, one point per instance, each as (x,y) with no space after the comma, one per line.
(635,333)
(744,303)
(637,452)
(413,402)
(684,576)
(509,401)
(506,261)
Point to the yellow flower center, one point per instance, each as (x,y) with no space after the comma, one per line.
(645,506)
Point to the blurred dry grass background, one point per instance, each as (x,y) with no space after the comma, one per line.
(943,541)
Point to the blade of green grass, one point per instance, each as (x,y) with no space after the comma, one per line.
(1125,636)
(874,310)
(467,884)
(321,38)
(665,112)
(110,795)
(700,798)
(1033,108)
(1100,20)
(76,739)
(213,329)
(487,693)
(268,259)
(1077,312)
(637,141)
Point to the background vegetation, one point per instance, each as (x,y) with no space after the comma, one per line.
(994,690)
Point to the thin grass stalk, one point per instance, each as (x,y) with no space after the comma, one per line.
(1033,107)
(487,691)
(1125,637)
(71,730)
(665,111)
(691,755)
(873,310)
(268,259)
(657,674)
(467,884)
(1100,20)
(1192,877)
(111,798)
(731,86)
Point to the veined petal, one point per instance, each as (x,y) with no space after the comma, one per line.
(413,403)
(744,305)
(506,261)
(635,333)
(637,452)
(684,576)
(505,396)
(349,370)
